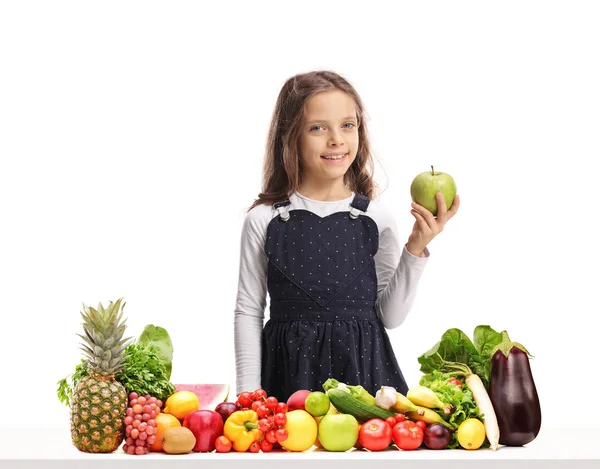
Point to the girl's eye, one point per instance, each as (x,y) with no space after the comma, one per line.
(315,126)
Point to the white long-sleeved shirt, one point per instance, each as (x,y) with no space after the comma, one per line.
(398,274)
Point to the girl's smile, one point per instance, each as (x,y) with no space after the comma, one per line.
(336,158)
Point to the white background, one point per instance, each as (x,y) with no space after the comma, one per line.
(131,143)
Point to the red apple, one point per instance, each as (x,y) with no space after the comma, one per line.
(296,401)
(207,426)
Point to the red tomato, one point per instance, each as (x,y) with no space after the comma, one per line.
(263,425)
(280,420)
(271,403)
(455,381)
(407,435)
(271,437)
(222,444)
(281,434)
(265,446)
(405,424)
(262,411)
(245,399)
(375,435)
(254,447)
(400,417)
(281,408)
(391,421)
(421,425)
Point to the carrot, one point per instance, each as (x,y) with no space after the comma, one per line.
(482,399)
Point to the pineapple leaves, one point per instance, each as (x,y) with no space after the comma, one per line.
(114,362)
(88,351)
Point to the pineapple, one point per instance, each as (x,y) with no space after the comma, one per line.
(99,402)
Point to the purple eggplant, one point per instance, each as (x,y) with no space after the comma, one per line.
(513,394)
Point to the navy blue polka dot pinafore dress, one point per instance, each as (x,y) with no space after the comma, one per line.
(322,285)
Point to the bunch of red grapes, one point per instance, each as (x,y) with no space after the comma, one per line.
(140,426)
(272,418)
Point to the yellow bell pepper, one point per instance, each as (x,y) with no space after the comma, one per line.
(242,429)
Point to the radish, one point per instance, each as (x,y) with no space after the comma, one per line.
(482,399)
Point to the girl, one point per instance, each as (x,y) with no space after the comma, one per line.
(327,253)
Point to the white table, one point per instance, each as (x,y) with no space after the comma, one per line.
(553,448)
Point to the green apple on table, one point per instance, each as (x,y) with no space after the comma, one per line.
(427,184)
(338,432)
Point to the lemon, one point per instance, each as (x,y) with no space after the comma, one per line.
(181,403)
(471,434)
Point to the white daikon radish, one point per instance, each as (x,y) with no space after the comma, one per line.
(482,399)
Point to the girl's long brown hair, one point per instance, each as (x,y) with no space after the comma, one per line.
(281,171)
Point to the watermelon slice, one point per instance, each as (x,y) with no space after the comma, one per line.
(210,395)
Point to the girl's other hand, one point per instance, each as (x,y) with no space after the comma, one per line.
(427,226)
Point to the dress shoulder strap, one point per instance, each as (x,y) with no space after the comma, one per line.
(359,205)
(283,208)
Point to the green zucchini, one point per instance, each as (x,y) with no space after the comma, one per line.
(346,404)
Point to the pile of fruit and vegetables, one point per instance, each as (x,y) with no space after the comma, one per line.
(473,394)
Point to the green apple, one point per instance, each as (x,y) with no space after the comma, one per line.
(426,185)
(338,432)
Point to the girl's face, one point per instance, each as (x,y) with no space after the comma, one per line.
(330,131)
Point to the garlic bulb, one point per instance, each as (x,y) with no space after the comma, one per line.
(385,397)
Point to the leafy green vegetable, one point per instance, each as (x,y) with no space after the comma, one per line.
(486,339)
(456,347)
(460,398)
(65,390)
(159,338)
(145,373)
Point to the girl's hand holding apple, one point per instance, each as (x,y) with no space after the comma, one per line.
(427,226)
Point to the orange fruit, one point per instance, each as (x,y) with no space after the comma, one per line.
(163,421)
(181,403)
(317,443)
